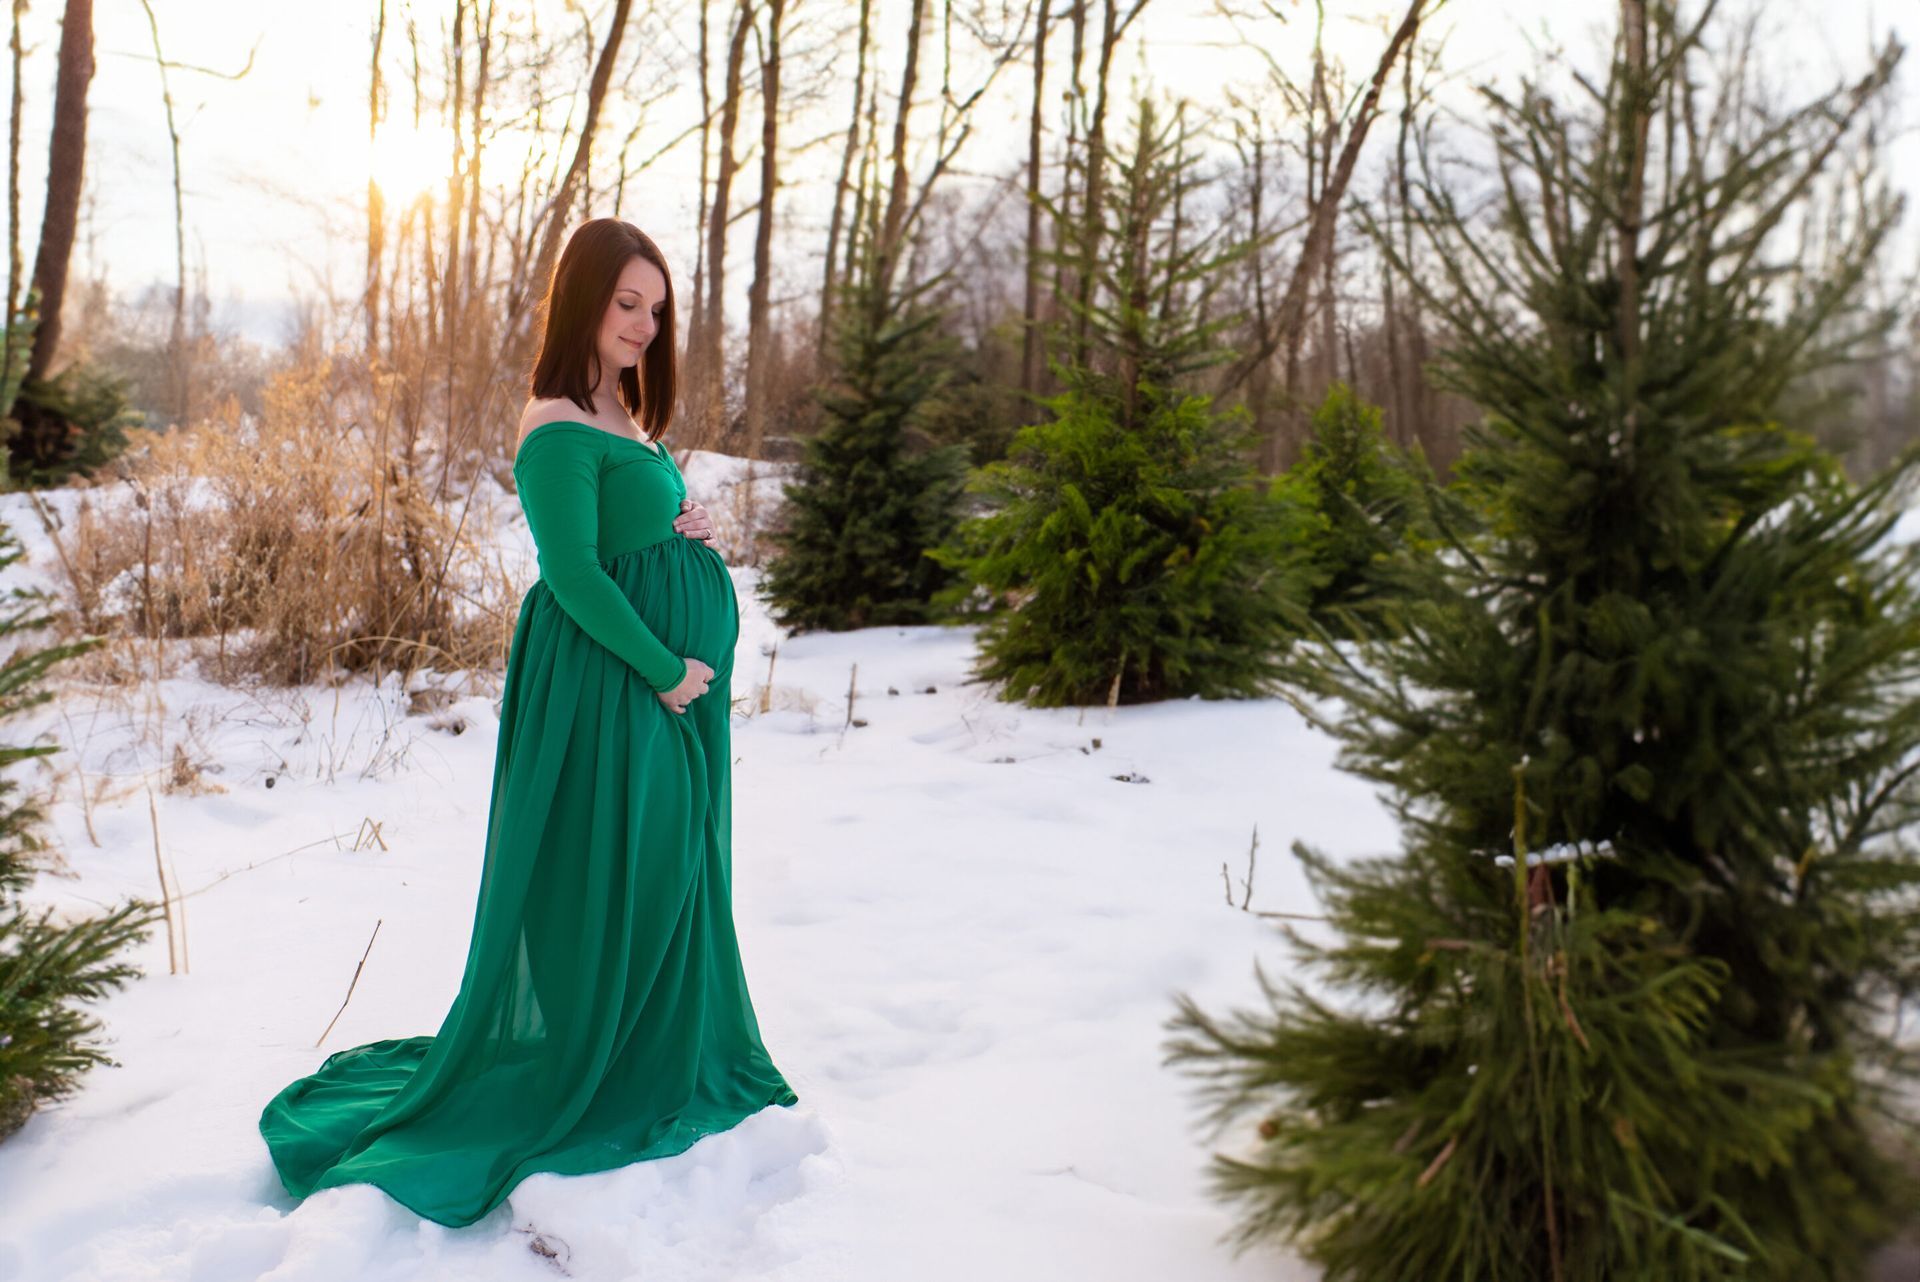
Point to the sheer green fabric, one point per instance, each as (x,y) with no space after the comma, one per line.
(603,1016)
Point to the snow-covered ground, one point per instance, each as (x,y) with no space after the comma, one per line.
(962,933)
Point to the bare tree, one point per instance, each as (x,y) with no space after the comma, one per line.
(563,197)
(1076,97)
(14,266)
(893,220)
(1030,309)
(1113,27)
(179,393)
(1284,327)
(696,317)
(376,208)
(759,324)
(709,375)
(955,126)
(66,164)
(836,224)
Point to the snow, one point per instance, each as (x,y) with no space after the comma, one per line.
(962,935)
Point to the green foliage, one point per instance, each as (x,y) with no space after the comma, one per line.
(90,406)
(1672,657)
(1129,553)
(46,967)
(1565,1085)
(866,504)
(1151,278)
(16,349)
(1353,500)
(1146,563)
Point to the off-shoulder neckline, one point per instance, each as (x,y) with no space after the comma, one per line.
(656,450)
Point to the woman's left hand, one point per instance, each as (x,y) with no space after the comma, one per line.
(694,522)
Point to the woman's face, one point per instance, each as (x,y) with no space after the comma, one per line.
(632,316)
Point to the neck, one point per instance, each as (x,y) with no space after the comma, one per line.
(608,387)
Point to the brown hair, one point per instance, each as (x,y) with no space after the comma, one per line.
(576,300)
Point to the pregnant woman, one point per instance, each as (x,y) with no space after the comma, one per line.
(603,1017)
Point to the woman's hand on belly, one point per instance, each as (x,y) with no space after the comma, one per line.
(694,522)
(691,686)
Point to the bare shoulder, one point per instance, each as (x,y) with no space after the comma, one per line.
(544,409)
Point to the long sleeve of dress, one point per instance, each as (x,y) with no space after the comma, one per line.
(558,476)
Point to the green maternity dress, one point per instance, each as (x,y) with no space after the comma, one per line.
(603,1017)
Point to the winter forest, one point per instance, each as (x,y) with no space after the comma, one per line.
(1323,616)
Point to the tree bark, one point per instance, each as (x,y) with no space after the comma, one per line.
(1030,310)
(1076,95)
(178,380)
(713,326)
(376,209)
(1289,318)
(14,266)
(475,122)
(829,279)
(457,186)
(1633,31)
(576,172)
(66,161)
(697,312)
(759,323)
(894,219)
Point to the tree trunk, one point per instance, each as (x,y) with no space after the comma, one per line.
(1260,384)
(1076,96)
(896,212)
(178,382)
(759,323)
(1633,30)
(66,161)
(457,186)
(1030,311)
(1289,318)
(1329,300)
(576,172)
(1113,26)
(475,119)
(696,313)
(14,265)
(376,210)
(714,322)
(824,344)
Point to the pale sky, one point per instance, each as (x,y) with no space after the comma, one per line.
(267,157)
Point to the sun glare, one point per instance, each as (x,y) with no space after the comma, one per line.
(406,162)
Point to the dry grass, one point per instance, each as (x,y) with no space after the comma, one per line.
(288,547)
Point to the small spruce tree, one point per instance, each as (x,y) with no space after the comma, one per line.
(1619,1010)
(1129,551)
(870,496)
(47,967)
(1353,500)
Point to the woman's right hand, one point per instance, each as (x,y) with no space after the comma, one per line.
(691,686)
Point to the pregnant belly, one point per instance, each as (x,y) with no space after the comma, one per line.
(682,591)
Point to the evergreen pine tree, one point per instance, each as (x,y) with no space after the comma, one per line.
(1353,501)
(869,497)
(46,966)
(1130,552)
(1619,1009)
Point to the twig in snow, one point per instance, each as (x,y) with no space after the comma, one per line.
(853,676)
(80,773)
(355,980)
(766,691)
(1247,888)
(176,953)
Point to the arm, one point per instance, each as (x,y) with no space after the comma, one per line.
(558,475)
